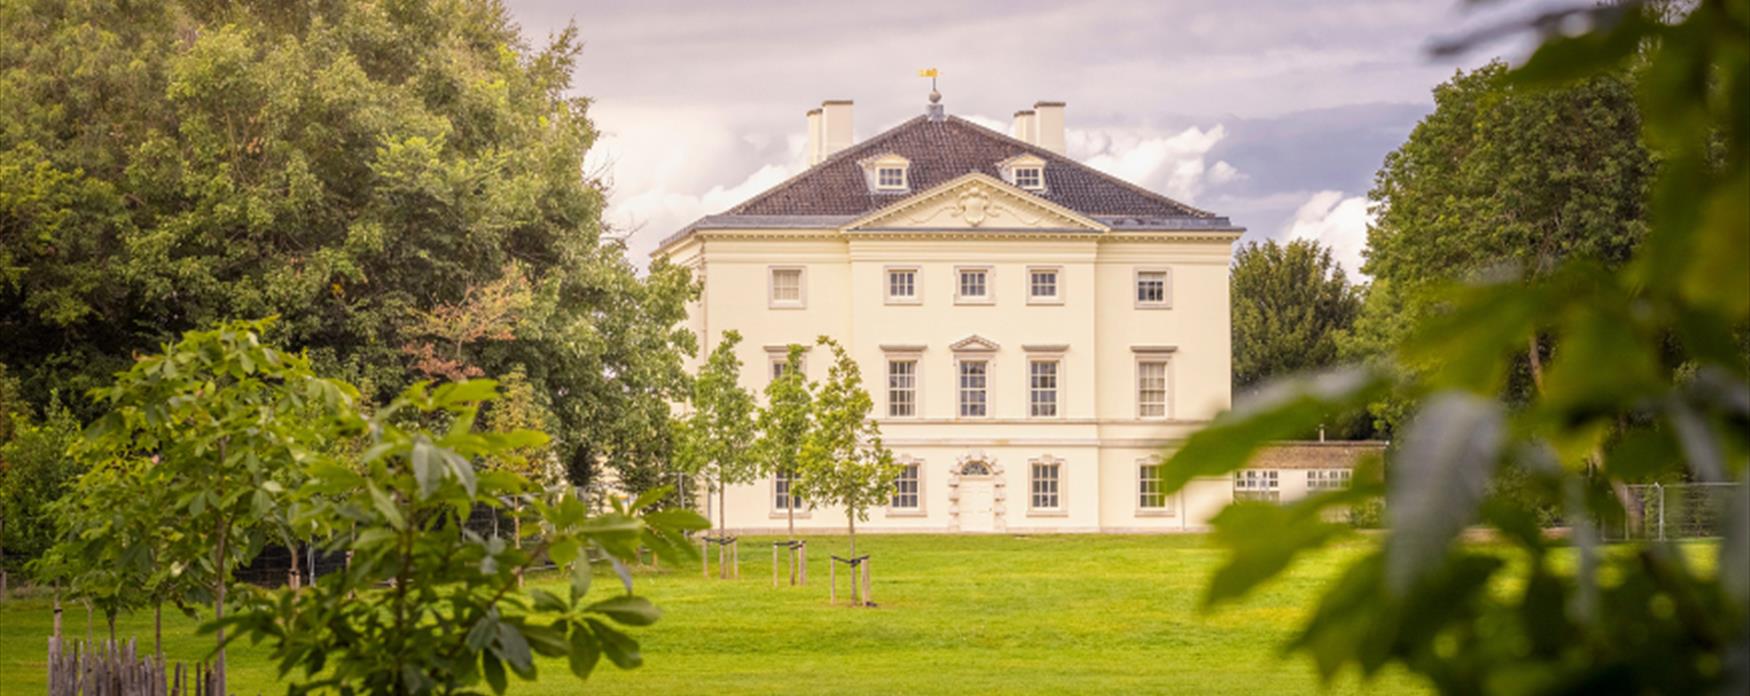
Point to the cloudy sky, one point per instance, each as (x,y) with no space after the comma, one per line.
(1275,113)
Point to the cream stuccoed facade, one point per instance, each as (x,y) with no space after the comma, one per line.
(1034,334)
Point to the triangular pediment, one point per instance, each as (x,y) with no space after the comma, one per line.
(975,201)
(973,344)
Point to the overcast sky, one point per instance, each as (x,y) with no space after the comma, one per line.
(1275,113)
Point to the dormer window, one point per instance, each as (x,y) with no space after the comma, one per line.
(887,173)
(890,178)
(1024,171)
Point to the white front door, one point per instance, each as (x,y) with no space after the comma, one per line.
(977,505)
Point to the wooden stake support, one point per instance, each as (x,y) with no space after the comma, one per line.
(798,557)
(728,556)
(860,580)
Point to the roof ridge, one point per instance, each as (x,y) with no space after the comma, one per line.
(1048,154)
(834,157)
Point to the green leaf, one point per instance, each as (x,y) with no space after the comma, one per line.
(425,467)
(494,672)
(473,390)
(563,550)
(1619,31)
(385,506)
(627,609)
(1440,473)
(547,601)
(620,648)
(677,519)
(585,652)
(481,634)
(1285,408)
(515,649)
(1265,538)
(581,575)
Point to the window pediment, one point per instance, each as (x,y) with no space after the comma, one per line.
(973,344)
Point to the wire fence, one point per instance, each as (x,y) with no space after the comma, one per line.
(275,565)
(1674,511)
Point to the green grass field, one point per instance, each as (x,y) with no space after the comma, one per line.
(961,614)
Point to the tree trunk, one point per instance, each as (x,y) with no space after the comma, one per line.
(57,611)
(722,529)
(158,630)
(790,519)
(856,594)
(516,531)
(219,680)
(109,616)
(297,577)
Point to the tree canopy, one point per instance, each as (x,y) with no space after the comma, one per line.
(401,184)
(1289,303)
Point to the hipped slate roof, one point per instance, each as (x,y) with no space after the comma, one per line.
(836,190)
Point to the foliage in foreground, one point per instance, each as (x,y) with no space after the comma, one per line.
(1649,372)
(222,444)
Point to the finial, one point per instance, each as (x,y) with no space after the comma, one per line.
(935,107)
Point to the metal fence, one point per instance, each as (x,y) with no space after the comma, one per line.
(273,567)
(1675,511)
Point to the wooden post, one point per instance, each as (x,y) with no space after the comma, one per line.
(735,557)
(868,601)
(774,566)
(705,557)
(832,574)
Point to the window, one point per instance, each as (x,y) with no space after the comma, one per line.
(974,284)
(902,285)
(1042,286)
(786,287)
(781,498)
(1042,388)
(1044,485)
(1151,288)
(1032,178)
(781,362)
(890,178)
(905,488)
(902,388)
(972,388)
(1326,479)
(1150,495)
(1151,389)
(1255,484)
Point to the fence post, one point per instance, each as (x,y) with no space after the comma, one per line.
(1660,489)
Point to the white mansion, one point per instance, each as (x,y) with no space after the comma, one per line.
(1034,332)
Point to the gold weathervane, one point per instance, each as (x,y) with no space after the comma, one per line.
(932,73)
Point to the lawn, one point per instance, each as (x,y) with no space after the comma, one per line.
(961,614)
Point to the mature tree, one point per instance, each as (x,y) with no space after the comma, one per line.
(1503,178)
(784,425)
(720,434)
(843,460)
(1289,303)
(1648,377)
(367,172)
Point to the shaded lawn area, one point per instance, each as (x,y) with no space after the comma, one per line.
(961,614)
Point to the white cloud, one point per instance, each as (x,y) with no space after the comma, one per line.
(1176,164)
(1340,223)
